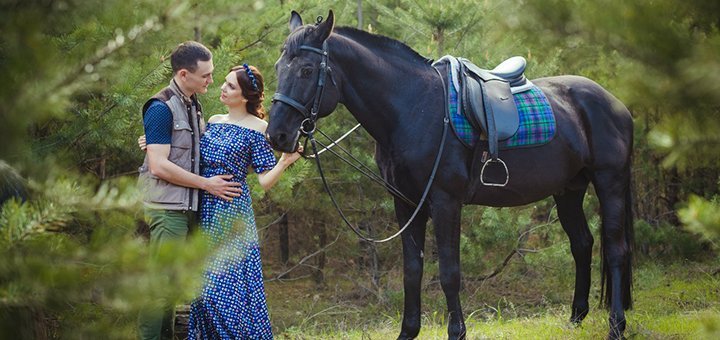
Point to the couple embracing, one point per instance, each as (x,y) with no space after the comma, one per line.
(197,171)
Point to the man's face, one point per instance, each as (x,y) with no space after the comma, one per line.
(198,81)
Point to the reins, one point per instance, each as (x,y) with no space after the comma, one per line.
(360,167)
(417,208)
(308,128)
(335,142)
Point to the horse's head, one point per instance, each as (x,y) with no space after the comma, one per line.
(305,88)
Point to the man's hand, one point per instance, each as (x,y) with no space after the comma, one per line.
(222,187)
(142,143)
(160,166)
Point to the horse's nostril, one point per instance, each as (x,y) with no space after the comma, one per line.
(276,140)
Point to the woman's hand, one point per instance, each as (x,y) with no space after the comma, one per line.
(270,177)
(142,143)
(290,158)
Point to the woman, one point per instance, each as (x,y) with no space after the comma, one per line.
(232,303)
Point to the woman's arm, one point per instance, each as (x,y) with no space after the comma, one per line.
(268,178)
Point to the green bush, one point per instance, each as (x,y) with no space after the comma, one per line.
(668,242)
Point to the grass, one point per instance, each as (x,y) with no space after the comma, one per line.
(672,301)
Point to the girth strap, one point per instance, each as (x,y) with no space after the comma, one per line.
(491,127)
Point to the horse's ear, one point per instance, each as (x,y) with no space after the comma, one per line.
(295,21)
(326,27)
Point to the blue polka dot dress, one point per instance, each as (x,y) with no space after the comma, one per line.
(232,303)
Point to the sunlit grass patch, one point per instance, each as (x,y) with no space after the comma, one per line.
(677,301)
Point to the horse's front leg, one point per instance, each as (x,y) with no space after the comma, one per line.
(413,241)
(445,212)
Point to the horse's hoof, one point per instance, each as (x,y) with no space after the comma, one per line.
(409,332)
(578,315)
(459,337)
(576,320)
(615,336)
(617,329)
(457,334)
(407,335)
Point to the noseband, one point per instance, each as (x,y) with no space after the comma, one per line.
(308,125)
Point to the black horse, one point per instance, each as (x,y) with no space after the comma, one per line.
(398,97)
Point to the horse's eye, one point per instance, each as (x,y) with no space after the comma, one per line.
(306,72)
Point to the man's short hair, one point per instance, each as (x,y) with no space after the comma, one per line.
(187,55)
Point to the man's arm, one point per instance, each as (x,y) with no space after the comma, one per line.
(160,166)
(157,122)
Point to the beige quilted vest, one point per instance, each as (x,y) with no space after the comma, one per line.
(188,126)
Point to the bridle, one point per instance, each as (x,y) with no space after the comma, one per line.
(309,124)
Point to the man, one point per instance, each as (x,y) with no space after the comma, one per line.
(169,175)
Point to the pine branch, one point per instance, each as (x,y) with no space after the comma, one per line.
(280,276)
(519,250)
(83,133)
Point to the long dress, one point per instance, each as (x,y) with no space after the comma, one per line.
(232,303)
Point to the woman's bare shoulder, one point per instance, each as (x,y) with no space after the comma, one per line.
(217,118)
(259,124)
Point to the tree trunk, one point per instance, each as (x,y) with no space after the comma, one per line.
(284,239)
(439,36)
(196,30)
(103,167)
(322,242)
(359,14)
(673,196)
(368,259)
(25,322)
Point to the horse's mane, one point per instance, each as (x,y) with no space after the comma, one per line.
(391,44)
(296,39)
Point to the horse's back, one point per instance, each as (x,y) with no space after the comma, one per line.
(590,116)
(593,132)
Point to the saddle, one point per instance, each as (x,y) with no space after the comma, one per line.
(486,98)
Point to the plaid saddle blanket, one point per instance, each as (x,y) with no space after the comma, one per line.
(537,122)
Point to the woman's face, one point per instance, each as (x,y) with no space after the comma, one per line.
(230,92)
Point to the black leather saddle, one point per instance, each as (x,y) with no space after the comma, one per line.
(486,98)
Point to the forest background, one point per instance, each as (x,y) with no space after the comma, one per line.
(73,261)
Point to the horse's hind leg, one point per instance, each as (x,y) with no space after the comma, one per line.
(613,190)
(572,218)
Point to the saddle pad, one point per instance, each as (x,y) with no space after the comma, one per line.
(537,121)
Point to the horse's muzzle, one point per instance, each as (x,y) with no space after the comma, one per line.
(284,142)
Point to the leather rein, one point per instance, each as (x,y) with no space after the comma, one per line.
(308,127)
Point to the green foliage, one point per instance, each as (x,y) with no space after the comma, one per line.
(666,241)
(666,58)
(702,216)
(496,232)
(72,254)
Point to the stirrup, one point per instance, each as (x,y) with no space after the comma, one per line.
(482,174)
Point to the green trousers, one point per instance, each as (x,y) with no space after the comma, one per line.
(165,225)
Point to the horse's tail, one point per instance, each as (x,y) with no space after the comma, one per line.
(626,283)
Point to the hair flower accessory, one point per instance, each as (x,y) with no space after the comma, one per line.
(251,76)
